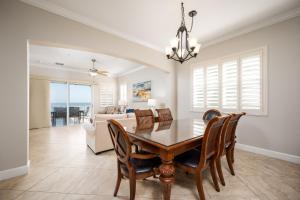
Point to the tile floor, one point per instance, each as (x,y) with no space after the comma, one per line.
(63,168)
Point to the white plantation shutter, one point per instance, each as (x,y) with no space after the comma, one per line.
(230,85)
(106,95)
(238,83)
(251,83)
(212,86)
(198,88)
(198,127)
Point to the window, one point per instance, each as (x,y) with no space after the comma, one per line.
(123,92)
(106,95)
(231,84)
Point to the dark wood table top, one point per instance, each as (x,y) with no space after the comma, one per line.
(169,133)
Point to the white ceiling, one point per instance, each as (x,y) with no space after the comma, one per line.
(154,22)
(76,60)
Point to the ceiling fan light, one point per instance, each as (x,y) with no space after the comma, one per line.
(93,73)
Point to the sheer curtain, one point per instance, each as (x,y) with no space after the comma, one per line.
(39,103)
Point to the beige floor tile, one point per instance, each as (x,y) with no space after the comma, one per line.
(35,175)
(9,194)
(41,196)
(271,188)
(63,180)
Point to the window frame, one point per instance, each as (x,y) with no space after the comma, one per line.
(262,51)
(123,88)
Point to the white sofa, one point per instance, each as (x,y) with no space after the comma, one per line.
(100,117)
(97,134)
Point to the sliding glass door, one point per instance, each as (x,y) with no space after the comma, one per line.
(59,103)
(79,103)
(70,103)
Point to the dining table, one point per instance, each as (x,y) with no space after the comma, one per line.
(168,139)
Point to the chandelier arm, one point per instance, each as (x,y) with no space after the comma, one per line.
(190,58)
(175,59)
(191,25)
(189,54)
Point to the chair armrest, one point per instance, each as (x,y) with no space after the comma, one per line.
(142,156)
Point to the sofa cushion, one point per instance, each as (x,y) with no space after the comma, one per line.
(143,165)
(110,110)
(190,158)
(102,117)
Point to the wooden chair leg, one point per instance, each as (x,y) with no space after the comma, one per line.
(118,181)
(214,175)
(219,170)
(232,155)
(228,157)
(200,186)
(132,185)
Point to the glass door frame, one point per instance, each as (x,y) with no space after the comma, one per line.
(68,83)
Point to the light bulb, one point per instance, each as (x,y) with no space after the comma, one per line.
(174,43)
(168,51)
(192,42)
(93,73)
(197,48)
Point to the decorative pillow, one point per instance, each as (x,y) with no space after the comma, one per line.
(110,109)
(129,110)
(117,110)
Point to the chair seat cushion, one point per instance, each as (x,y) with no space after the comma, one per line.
(143,165)
(190,158)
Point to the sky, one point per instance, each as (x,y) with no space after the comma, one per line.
(78,93)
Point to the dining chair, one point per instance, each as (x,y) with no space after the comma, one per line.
(210,114)
(164,125)
(196,161)
(164,114)
(227,143)
(134,166)
(144,118)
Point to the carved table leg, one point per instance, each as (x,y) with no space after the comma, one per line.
(167,172)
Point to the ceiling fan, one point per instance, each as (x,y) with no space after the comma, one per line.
(94,72)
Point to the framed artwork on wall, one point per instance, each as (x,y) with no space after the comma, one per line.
(141,91)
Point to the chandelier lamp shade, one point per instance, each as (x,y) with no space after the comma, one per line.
(183,47)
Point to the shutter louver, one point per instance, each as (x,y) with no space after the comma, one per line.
(251,83)
(212,86)
(229,85)
(198,88)
(106,96)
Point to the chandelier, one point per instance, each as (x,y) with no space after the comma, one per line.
(183,47)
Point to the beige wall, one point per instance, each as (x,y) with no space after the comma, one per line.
(162,85)
(39,105)
(19,23)
(279,131)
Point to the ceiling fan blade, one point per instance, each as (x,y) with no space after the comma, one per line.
(102,73)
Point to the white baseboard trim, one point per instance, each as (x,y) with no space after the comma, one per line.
(18,171)
(269,153)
